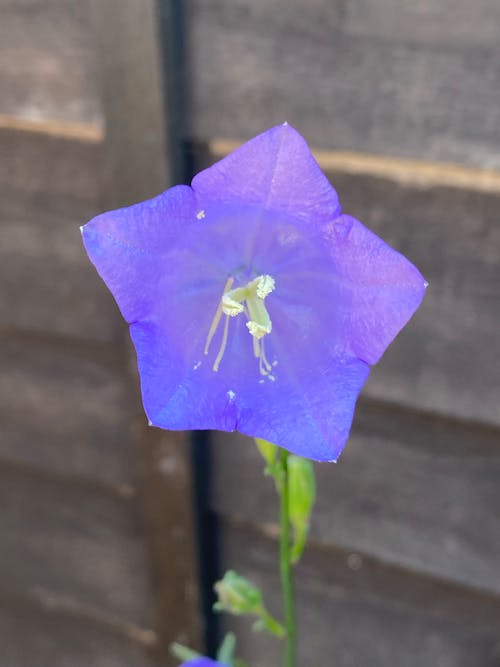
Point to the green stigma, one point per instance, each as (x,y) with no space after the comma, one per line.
(249,300)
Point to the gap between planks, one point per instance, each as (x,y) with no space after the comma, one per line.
(416,173)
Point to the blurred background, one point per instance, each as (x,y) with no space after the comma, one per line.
(112,533)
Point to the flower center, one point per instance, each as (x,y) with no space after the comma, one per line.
(249,300)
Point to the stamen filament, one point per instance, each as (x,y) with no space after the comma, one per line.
(223,344)
(217,316)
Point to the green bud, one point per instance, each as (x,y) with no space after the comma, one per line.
(237,595)
(302,494)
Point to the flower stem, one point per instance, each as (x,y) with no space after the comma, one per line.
(286,564)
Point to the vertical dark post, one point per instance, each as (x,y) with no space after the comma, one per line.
(143,155)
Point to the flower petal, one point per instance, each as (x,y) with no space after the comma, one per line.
(127,247)
(380,288)
(275,170)
(309,408)
(152,225)
(203,662)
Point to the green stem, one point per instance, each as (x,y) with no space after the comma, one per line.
(286,565)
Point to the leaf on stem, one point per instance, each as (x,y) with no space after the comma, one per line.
(302,494)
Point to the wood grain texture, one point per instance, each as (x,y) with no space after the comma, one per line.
(49,187)
(66,409)
(412,490)
(131,92)
(442,24)
(359,612)
(45,637)
(74,542)
(48,68)
(255,64)
(168,498)
(42,159)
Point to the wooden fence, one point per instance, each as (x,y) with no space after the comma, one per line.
(401,100)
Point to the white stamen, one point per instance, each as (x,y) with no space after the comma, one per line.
(249,300)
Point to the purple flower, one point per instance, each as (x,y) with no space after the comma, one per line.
(203,662)
(254,304)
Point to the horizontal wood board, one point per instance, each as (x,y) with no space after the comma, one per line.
(49,187)
(45,637)
(410,489)
(68,409)
(48,61)
(392,78)
(361,612)
(75,542)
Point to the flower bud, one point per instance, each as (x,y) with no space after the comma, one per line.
(237,595)
(302,494)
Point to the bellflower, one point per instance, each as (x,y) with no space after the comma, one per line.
(254,303)
(203,662)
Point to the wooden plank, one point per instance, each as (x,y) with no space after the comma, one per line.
(142,140)
(446,221)
(426,23)
(66,409)
(413,490)
(48,638)
(358,612)
(168,502)
(46,158)
(255,64)
(75,542)
(48,66)
(49,187)
(131,93)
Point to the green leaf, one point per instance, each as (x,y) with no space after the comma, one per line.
(270,455)
(302,495)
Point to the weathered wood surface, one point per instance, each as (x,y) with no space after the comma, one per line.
(136,145)
(421,80)
(48,66)
(413,490)
(49,187)
(45,636)
(359,612)
(83,543)
(67,409)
